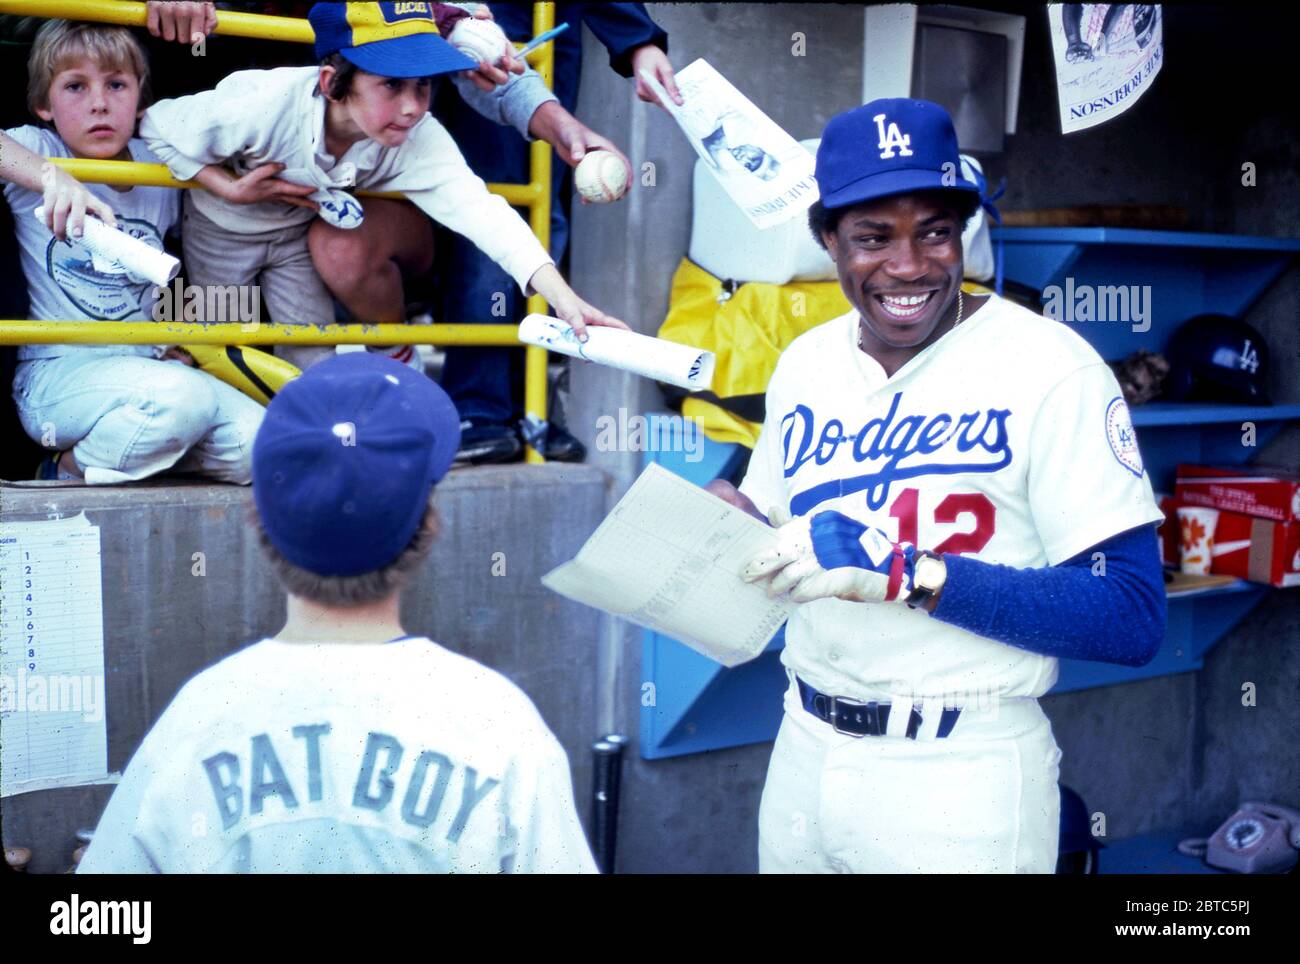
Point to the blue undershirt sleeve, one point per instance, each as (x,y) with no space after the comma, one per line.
(1107,603)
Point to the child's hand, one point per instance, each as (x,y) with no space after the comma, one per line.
(187,22)
(548,283)
(579,315)
(488,78)
(261,184)
(67,202)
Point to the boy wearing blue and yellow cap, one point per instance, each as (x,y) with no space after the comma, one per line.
(277,148)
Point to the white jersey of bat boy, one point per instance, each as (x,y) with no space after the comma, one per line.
(345,758)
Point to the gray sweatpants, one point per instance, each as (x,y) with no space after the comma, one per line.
(278,261)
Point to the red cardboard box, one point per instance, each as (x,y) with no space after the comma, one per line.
(1263,491)
(1260,550)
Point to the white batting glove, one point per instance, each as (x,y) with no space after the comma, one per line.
(830,555)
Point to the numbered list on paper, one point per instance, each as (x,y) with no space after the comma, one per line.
(52,703)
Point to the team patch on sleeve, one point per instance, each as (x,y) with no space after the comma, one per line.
(1122,437)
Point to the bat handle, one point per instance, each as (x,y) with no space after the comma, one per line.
(607,757)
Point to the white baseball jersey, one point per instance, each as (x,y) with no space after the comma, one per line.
(1007,440)
(345,758)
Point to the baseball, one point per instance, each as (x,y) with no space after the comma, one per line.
(601,176)
(480,40)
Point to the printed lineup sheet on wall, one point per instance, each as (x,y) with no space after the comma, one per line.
(1107,55)
(52,730)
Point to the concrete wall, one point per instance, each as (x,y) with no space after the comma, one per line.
(162,624)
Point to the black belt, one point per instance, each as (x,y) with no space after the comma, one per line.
(856,718)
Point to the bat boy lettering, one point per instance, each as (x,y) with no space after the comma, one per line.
(422,786)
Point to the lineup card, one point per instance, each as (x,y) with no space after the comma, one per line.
(668,557)
(52,713)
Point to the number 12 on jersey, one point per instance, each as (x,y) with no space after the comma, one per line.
(906,509)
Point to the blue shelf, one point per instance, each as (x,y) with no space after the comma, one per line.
(1147,239)
(1171,413)
(1188,273)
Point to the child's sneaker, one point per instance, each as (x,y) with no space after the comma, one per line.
(406,354)
(49,470)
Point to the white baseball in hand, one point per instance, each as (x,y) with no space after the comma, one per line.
(479,40)
(601,176)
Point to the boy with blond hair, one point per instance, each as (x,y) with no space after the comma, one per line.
(113,413)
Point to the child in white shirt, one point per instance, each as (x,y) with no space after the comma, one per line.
(275,148)
(112,413)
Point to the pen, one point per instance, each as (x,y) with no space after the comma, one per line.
(540,39)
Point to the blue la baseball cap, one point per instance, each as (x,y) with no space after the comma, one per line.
(346,458)
(389,39)
(889,146)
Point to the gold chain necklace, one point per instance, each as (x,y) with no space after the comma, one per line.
(960,308)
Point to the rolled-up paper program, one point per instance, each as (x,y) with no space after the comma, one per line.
(664,361)
(116,252)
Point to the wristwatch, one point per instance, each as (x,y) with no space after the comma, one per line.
(928,575)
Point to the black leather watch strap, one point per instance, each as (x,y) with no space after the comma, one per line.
(920,595)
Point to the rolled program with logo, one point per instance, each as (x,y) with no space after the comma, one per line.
(664,361)
(116,252)
(1196,541)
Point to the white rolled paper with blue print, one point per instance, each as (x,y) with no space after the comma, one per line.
(115,252)
(664,361)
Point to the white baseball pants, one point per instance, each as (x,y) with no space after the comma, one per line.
(982,800)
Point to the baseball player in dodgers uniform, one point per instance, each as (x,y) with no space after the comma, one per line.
(961,501)
(343,744)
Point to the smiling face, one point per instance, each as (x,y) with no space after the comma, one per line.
(383,109)
(900,264)
(93,108)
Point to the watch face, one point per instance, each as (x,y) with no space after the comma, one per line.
(929,572)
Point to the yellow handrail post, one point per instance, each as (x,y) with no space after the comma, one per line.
(539,216)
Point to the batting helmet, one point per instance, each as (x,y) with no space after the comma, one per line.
(1216,358)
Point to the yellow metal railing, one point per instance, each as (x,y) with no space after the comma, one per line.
(535,196)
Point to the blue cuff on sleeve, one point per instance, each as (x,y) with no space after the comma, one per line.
(1109,607)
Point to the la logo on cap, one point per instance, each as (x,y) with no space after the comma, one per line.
(891,139)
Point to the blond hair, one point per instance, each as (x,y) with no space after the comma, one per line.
(349,590)
(59,41)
